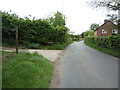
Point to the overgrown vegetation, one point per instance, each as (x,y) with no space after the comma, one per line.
(58,46)
(109,44)
(36,32)
(5,56)
(88,33)
(25,70)
(94,26)
(75,37)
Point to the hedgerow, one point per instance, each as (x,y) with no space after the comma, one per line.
(38,31)
(111,42)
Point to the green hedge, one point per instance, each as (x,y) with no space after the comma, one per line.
(34,31)
(110,43)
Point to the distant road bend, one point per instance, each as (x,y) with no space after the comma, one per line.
(84,67)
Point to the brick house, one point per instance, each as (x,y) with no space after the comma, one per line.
(106,29)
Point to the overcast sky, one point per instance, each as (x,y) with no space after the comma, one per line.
(79,15)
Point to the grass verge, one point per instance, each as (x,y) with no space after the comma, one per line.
(56,46)
(25,70)
(105,50)
(7,55)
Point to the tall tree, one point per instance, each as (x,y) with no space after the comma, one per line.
(94,26)
(57,20)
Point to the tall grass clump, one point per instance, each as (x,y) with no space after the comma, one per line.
(26,70)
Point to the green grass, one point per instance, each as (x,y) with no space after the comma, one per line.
(7,55)
(56,46)
(105,50)
(26,70)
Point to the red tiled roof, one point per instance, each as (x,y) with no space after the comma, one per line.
(103,25)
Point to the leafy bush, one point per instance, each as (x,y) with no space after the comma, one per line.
(33,31)
(60,46)
(56,46)
(75,39)
(113,42)
(33,46)
(110,43)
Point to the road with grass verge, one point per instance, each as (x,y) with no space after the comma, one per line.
(84,67)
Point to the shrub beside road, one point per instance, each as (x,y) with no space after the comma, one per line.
(109,44)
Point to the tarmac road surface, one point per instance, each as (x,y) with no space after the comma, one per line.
(84,67)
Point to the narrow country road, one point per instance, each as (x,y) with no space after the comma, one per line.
(85,67)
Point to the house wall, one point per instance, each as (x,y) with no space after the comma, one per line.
(109,26)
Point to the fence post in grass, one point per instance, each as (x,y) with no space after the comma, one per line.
(16,39)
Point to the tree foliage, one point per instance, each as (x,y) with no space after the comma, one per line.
(88,33)
(113,18)
(57,20)
(39,31)
(75,37)
(113,5)
(109,4)
(94,26)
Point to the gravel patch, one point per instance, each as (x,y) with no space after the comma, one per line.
(51,55)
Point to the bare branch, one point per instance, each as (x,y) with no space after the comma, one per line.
(112,5)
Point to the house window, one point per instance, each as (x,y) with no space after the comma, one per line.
(104,31)
(114,31)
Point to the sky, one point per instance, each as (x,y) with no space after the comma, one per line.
(79,15)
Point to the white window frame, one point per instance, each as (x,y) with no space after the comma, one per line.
(114,31)
(104,31)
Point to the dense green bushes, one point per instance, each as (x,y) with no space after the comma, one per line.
(56,46)
(75,37)
(59,46)
(35,32)
(111,42)
(32,31)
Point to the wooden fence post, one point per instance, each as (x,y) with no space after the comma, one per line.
(16,39)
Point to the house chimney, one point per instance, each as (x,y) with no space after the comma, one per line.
(105,20)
